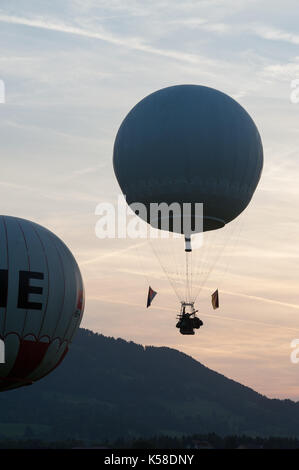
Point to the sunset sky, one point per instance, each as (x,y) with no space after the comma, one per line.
(72,71)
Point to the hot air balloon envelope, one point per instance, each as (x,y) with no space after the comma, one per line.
(189,144)
(41,301)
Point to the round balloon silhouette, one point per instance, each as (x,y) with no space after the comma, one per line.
(189,144)
(41,301)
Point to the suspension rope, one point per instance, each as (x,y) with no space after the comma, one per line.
(167,273)
(187,278)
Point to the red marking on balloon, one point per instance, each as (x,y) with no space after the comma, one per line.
(30,355)
(80,300)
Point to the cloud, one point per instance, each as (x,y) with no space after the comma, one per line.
(40,193)
(272,34)
(201,23)
(287,70)
(262,299)
(131,43)
(112,254)
(84,171)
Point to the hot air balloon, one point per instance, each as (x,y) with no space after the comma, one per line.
(189,144)
(41,301)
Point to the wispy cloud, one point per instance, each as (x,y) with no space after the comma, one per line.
(131,43)
(287,70)
(262,299)
(273,34)
(84,171)
(40,192)
(112,254)
(201,23)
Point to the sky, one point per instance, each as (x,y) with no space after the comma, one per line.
(72,70)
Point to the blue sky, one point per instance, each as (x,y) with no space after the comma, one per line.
(72,71)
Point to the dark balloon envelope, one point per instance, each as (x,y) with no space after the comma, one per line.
(189,143)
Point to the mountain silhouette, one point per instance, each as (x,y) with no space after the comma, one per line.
(110,388)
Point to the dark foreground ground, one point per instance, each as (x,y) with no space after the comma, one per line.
(210,441)
(111,390)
